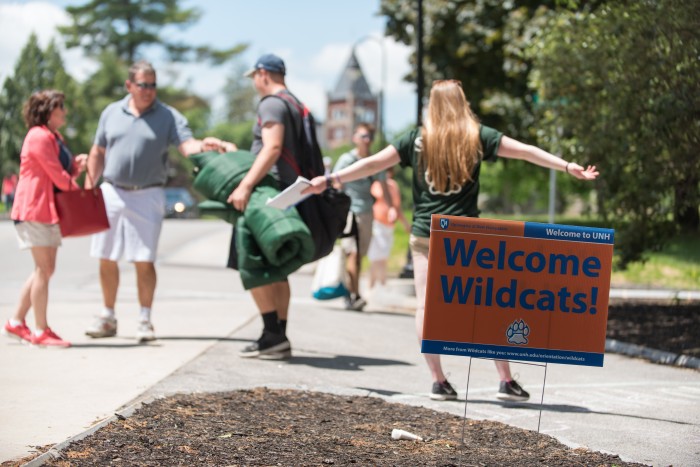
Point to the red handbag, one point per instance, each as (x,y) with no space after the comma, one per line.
(81,212)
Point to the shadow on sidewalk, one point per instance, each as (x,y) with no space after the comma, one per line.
(565,408)
(344,362)
(155,343)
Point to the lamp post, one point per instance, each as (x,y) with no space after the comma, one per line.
(553,182)
(382,84)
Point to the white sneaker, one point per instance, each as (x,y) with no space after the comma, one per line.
(145,332)
(102,327)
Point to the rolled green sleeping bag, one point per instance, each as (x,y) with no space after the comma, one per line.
(253,267)
(217,175)
(282,236)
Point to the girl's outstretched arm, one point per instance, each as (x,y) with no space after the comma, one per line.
(371,165)
(513,149)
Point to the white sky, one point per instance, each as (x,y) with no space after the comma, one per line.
(314,37)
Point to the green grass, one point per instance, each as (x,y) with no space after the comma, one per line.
(677,266)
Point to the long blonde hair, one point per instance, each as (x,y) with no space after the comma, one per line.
(451,145)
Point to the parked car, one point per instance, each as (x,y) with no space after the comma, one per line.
(179,203)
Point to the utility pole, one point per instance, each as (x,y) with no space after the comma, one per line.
(419,64)
(407,271)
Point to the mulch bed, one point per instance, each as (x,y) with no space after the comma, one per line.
(661,326)
(283,427)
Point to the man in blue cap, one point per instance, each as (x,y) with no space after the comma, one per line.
(271,63)
(274,144)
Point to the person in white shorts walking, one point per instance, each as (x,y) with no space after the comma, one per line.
(383,229)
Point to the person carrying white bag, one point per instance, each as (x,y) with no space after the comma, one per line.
(330,278)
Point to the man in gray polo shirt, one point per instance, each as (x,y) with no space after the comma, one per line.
(130,152)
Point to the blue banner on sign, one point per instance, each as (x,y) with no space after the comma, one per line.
(569,232)
(499,352)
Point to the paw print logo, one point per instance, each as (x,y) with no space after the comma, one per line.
(517,332)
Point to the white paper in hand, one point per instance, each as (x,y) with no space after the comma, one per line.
(291,196)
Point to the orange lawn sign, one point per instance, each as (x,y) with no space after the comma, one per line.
(517,290)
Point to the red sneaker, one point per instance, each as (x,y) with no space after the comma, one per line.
(21,332)
(48,338)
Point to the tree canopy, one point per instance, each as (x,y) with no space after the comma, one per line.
(481,43)
(241,96)
(116,33)
(623,79)
(611,83)
(34,70)
(125,26)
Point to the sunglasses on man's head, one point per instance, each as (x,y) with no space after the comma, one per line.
(143,85)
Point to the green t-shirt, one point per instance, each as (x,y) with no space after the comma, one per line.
(461,201)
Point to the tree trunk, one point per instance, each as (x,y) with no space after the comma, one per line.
(687,205)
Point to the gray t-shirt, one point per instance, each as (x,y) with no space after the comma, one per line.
(358,190)
(274,109)
(137,147)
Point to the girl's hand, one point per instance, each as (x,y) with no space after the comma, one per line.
(318,185)
(589,173)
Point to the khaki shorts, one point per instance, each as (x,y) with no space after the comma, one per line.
(33,234)
(364,229)
(419,245)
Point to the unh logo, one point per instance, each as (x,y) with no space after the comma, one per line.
(444,223)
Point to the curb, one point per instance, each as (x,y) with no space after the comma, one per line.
(55,451)
(671,295)
(654,355)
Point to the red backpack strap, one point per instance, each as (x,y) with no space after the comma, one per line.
(289,159)
(287,155)
(301,108)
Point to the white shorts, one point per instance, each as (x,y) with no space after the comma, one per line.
(135,219)
(382,241)
(31,234)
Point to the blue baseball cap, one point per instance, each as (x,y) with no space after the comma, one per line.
(269,62)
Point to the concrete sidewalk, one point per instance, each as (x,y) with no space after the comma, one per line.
(644,412)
